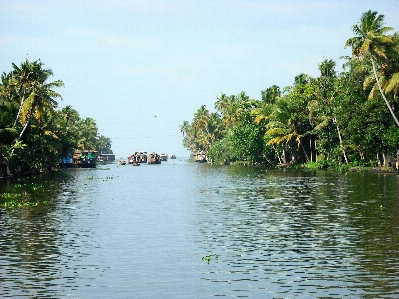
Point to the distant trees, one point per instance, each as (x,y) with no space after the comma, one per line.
(34,135)
(332,119)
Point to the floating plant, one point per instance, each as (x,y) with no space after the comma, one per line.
(37,186)
(208,258)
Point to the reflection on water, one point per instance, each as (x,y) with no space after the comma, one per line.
(141,232)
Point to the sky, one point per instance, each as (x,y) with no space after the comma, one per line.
(141,68)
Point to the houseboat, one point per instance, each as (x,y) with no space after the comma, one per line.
(200,157)
(154,158)
(106,157)
(140,157)
(85,158)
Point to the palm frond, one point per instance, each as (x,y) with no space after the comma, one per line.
(393,83)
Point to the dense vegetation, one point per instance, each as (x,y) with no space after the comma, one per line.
(347,118)
(34,134)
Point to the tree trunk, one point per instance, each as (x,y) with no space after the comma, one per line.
(382,93)
(340,139)
(304,152)
(386,159)
(397,160)
(283,156)
(378,160)
(310,147)
(20,135)
(278,155)
(19,110)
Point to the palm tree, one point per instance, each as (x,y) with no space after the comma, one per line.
(227,106)
(88,133)
(104,145)
(301,79)
(37,96)
(25,78)
(371,41)
(269,95)
(201,118)
(185,127)
(327,68)
(393,82)
(214,127)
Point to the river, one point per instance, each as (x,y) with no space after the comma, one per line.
(187,230)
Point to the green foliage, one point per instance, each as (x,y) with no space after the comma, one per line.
(346,118)
(219,152)
(246,142)
(33,134)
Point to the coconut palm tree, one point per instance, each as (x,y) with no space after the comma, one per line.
(27,77)
(104,145)
(393,82)
(371,41)
(88,133)
(201,118)
(269,95)
(37,96)
(185,127)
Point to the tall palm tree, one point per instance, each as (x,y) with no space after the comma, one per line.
(393,81)
(185,127)
(214,127)
(88,137)
(269,95)
(327,68)
(40,101)
(201,118)
(26,76)
(104,145)
(36,96)
(371,41)
(227,106)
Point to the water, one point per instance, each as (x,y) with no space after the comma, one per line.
(188,230)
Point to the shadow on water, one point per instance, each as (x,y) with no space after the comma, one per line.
(31,235)
(307,233)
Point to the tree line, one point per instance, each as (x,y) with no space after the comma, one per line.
(346,118)
(34,134)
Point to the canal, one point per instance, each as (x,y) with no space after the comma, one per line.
(187,230)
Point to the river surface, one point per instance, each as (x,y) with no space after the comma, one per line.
(188,230)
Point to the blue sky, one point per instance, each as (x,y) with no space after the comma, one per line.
(140,68)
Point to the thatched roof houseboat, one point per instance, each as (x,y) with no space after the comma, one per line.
(154,158)
(140,157)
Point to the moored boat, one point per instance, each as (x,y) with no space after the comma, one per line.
(200,157)
(85,158)
(163,157)
(154,158)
